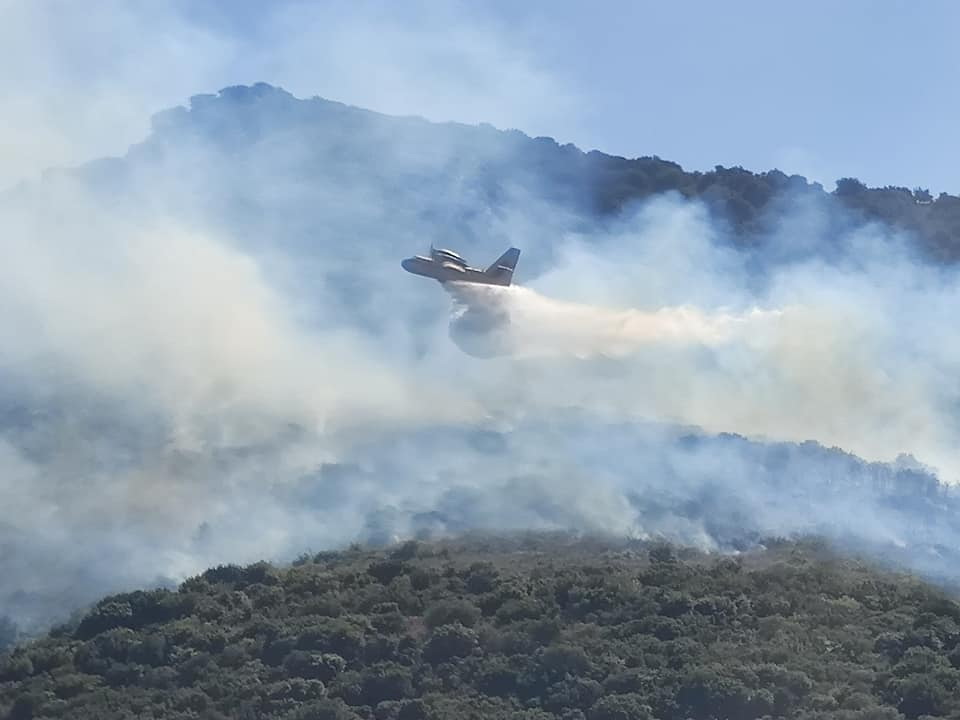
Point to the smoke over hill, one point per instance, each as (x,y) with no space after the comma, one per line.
(210,353)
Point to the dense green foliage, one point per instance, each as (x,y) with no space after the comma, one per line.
(753,202)
(537,627)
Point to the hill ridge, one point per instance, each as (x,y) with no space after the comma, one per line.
(614,182)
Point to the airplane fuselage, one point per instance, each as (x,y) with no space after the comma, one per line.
(447,266)
(450,272)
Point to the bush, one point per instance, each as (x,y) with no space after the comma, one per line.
(384,571)
(481,578)
(452,611)
(322,710)
(107,615)
(449,642)
(630,706)
(564,659)
(386,682)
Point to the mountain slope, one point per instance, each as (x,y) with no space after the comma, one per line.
(537,627)
(212,355)
(421,159)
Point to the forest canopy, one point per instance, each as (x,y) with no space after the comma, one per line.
(535,626)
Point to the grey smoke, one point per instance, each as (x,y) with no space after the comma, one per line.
(209,353)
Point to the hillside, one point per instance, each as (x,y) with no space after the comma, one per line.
(534,626)
(215,357)
(421,162)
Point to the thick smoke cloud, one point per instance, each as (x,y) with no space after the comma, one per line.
(527,324)
(210,354)
(855,353)
(81,80)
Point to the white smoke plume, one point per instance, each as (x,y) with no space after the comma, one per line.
(841,354)
(535,326)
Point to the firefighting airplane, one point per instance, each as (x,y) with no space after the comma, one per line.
(447,266)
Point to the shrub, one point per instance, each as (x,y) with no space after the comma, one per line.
(448,612)
(449,642)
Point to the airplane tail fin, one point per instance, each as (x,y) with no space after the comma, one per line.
(503,267)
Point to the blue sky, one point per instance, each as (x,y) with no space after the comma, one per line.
(870,89)
(825,89)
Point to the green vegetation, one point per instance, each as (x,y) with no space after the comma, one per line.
(535,627)
(753,202)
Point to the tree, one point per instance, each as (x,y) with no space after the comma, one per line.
(921,695)
(849,186)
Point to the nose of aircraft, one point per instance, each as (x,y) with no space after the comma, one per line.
(407,264)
